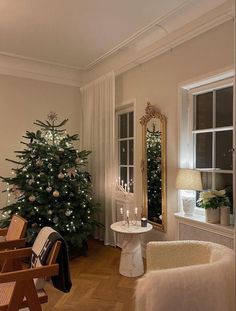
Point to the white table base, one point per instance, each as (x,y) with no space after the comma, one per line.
(131,261)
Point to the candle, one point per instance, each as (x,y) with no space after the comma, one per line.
(127,213)
(125,187)
(122,183)
(121,211)
(136,211)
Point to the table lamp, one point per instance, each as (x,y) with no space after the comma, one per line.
(189,180)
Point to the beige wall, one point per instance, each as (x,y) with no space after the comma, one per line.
(22,101)
(157,81)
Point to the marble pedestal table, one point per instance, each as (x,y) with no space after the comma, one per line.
(131,261)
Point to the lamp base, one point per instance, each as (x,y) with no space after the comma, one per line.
(188,205)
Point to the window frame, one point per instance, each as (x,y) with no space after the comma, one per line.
(186,125)
(125,108)
(192,97)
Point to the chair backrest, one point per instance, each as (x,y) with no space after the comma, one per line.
(16,228)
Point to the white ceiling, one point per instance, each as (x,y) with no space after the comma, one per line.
(75,32)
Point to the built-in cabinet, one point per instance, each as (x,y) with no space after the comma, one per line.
(196,228)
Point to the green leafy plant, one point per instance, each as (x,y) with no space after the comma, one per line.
(213,199)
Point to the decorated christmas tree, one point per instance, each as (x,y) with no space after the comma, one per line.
(50,185)
(154,175)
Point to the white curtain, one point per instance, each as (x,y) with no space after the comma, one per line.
(98,106)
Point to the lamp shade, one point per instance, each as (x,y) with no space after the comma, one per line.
(188,179)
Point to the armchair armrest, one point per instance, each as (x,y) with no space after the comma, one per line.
(12,244)
(175,289)
(172,254)
(29,274)
(3,231)
(16,253)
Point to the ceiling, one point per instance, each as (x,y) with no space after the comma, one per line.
(77,33)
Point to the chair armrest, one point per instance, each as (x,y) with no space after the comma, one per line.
(16,253)
(171,254)
(12,244)
(200,287)
(29,274)
(3,231)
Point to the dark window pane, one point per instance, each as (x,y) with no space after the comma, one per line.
(225,181)
(123,175)
(206,180)
(131,124)
(224,107)
(224,141)
(204,150)
(123,124)
(204,111)
(123,152)
(131,152)
(131,179)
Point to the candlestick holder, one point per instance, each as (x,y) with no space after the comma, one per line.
(135,220)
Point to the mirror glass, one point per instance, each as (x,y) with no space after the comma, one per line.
(154,167)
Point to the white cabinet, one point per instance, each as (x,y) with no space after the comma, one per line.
(196,228)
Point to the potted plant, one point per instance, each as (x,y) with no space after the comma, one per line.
(212,200)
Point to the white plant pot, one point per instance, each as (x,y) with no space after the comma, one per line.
(224,215)
(213,215)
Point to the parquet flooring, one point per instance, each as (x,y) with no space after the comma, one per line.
(97,284)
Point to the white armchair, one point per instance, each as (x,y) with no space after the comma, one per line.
(187,276)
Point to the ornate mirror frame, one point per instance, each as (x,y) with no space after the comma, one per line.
(150,113)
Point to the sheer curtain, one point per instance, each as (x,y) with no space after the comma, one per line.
(98,106)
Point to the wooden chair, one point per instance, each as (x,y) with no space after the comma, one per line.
(12,238)
(13,235)
(17,288)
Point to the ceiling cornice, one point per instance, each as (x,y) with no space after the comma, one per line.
(134,51)
(133,56)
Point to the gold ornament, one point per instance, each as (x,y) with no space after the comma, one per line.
(39,163)
(60,175)
(32,198)
(56,194)
(77,160)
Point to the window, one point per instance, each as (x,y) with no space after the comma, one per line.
(212,137)
(125,143)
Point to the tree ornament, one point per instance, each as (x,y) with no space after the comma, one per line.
(49,189)
(77,160)
(31,181)
(32,198)
(34,225)
(39,163)
(55,220)
(68,212)
(56,194)
(60,175)
(61,150)
(50,165)
(49,212)
(72,171)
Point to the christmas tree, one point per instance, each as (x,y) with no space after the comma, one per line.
(154,175)
(50,185)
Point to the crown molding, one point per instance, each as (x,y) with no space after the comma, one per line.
(134,56)
(157,38)
(30,69)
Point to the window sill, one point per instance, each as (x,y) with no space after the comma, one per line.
(197,220)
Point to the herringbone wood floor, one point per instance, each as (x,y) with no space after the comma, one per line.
(97,284)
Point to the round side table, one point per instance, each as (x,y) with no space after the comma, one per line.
(131,261)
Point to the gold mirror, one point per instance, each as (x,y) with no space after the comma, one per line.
(154,167)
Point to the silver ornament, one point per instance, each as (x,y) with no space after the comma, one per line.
(68,212)
(49,212)
(49,189)
(55,220)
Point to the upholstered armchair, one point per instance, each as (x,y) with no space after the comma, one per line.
(187,275)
